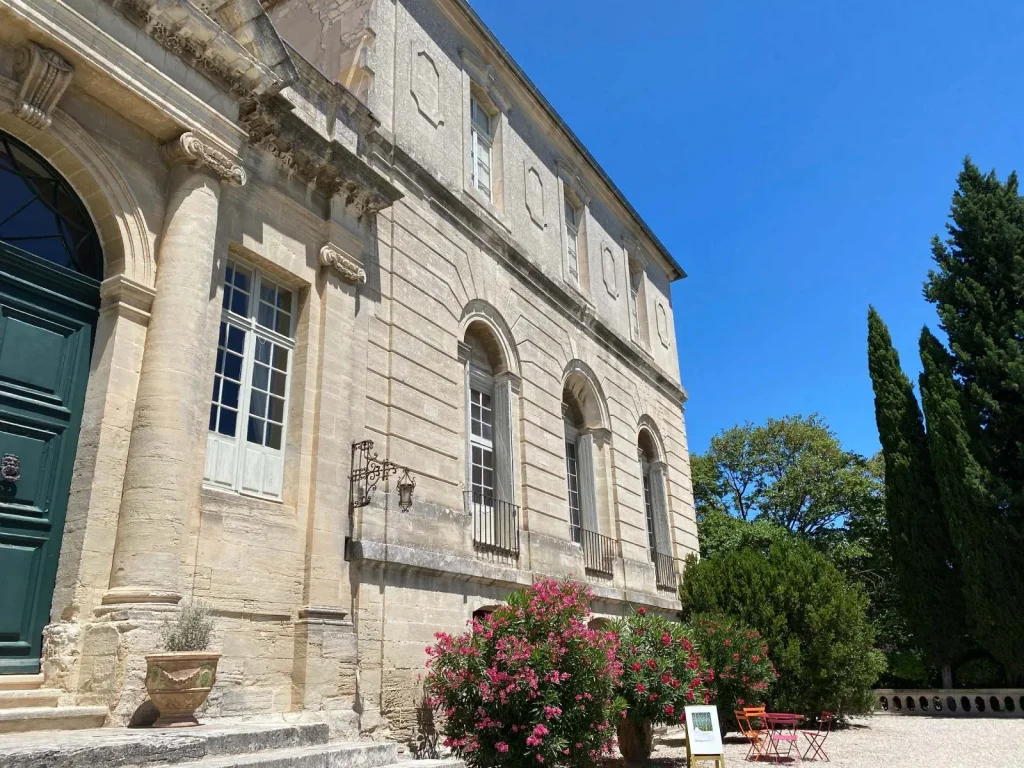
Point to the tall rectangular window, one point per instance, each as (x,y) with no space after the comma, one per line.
(572,237)
(634,303)
(572,471)
(649,511)
(482,139)
(245,450)
(481,445)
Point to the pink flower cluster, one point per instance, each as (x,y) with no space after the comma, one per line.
(505,687)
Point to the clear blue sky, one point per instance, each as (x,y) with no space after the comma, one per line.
(796,157)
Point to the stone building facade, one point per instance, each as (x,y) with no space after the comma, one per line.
(349,220)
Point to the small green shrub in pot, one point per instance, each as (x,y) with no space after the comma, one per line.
(662,672)
(529,685)
(192,629)
(179,679)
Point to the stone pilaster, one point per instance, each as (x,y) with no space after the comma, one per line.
(325,642)
(173,389)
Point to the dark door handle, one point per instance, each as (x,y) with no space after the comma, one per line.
(10,468)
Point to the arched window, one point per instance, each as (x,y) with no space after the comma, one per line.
(586,436)
(490,488)
(42,214)
(656,511)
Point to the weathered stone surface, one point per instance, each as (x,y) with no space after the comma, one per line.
(138,747)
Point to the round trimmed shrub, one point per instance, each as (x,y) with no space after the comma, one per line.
(810,617)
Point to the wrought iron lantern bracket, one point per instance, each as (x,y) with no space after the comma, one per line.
(368,469)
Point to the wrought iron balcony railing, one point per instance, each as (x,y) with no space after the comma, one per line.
(598,551)
(495,523)
(665,571)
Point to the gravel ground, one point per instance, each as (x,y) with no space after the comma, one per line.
(888,741)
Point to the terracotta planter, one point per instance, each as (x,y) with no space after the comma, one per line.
(178,683)
(636,739)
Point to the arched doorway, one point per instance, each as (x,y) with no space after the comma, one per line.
(50,270)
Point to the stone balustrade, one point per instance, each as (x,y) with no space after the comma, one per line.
(951,702)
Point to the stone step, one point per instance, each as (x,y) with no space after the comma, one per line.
(448,762)
(20,682)
(337,755)
(22,719)
(37,697)
(115,747)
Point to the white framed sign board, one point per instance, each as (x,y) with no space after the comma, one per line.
(703,733)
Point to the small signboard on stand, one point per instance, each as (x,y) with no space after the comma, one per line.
(703,737)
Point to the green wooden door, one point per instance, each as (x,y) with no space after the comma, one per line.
(47,319)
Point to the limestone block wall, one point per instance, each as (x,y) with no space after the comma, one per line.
(425,56)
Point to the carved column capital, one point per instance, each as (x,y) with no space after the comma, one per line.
(191,150)
(347,267)
(44,76)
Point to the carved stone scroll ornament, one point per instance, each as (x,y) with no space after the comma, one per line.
(44,76)
(190,149)
(349,269)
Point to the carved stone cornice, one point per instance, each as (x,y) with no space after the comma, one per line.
(44,75)
(189,149)
(327,165)
(350,270)
(228,44)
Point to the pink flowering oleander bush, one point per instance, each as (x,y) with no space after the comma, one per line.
(662,670)
(531,684)
(741,672)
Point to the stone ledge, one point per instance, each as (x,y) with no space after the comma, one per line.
(22,719)
(380,555)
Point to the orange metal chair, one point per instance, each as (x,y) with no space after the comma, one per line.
(817,738)
(752,734)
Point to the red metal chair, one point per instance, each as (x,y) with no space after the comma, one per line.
(816,740)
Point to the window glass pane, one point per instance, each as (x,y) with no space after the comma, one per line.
(236,339)
(274,436)
(216,389)
(260,377)
(239,303)
(228,422)
(480,118)
(276,412)
(263,351)
(277,381)
(255,433)
(258,404)
(265,315)
(213,417)
(280,358)
(233,366)
(243,278)
(229,394)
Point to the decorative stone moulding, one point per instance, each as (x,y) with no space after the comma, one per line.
(662,321)
(224,39)
(326,165)
(44,76)
(425,86)
(191,150)
(348,268)
(610,269)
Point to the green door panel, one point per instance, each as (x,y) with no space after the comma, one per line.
(47,321)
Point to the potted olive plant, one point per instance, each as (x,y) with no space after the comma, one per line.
(179,680)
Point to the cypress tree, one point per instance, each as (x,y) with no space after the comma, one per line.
(921,547)
(988,546)
(978,290)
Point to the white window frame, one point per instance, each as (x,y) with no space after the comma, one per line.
(572,238)
(483,383)
(634,304)
(481,134)
(652,537)
(232,461)
(573,484)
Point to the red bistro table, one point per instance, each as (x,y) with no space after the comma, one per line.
(780,728)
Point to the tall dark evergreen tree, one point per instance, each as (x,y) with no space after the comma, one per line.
(978,291)
(988,547)
(922,551)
